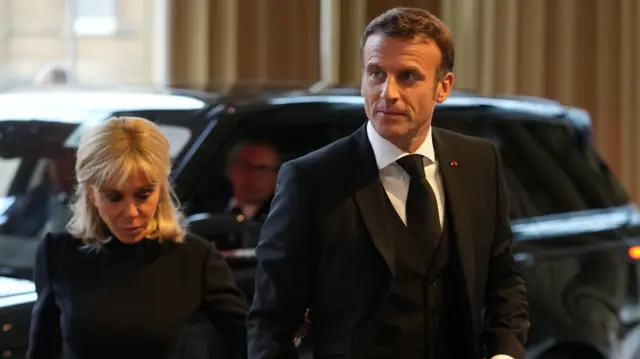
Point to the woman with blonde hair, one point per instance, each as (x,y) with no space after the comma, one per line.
(126,276)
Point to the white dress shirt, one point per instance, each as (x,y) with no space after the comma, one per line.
(395,180)
(248,210)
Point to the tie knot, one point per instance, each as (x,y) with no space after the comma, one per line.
(413,165)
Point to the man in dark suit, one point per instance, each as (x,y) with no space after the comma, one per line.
(397,237)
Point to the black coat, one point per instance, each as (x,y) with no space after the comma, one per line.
(325,246)
(131,300)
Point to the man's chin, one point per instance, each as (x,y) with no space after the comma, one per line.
(391,129)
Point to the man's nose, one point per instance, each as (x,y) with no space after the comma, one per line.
(390,89)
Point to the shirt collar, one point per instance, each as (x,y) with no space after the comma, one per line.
(387,153)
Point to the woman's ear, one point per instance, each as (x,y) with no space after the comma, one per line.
(90,195)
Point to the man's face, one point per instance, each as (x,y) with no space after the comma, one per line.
(400,89)
(253,173)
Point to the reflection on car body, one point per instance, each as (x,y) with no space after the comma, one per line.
(573,223)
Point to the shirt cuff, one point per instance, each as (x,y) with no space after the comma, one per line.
(501,356)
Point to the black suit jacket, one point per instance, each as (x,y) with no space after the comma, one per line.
(326,246)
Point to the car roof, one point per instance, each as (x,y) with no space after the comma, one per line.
(516,107)
(76,105)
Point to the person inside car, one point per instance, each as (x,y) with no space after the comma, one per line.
(252,169)
(126,277)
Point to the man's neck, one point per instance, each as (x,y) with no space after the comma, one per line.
(411,143)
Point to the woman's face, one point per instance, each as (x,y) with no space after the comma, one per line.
(128,209)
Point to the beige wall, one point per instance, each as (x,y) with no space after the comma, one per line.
(36,33)
(584,53)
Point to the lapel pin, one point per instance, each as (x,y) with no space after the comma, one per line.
(453,164)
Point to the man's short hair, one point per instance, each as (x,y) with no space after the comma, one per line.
(406,22)
(239,146)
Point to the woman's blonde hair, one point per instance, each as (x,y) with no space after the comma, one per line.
(109,153)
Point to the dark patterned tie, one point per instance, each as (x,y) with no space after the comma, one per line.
(423,219)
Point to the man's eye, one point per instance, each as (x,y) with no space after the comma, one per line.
(407,76)
(376,74)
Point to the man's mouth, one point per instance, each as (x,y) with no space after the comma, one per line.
(391,112)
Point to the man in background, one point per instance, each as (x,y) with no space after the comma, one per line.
(252,169)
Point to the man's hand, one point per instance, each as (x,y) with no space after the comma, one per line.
(303,331)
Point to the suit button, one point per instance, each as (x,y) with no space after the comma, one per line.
(433,284)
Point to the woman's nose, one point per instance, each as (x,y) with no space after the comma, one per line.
(131,209)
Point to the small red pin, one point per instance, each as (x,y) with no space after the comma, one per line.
(453,163)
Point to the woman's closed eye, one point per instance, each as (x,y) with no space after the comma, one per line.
(116,197)
(143,195)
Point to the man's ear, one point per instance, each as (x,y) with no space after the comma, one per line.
(444,87)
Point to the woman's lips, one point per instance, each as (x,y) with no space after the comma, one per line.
(132,229)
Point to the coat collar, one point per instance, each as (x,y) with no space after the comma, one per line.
(387,153)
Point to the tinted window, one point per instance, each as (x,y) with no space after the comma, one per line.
(8,168)
(292,135)
(549,167)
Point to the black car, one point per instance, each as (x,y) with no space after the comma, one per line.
(576,232)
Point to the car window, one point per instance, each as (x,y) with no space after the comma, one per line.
(8,168)
(291,136)
(548,167)
(177,136)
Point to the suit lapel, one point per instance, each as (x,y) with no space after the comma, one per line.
(457,201)
(370,197)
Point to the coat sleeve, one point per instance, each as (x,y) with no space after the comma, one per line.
(285,271)
(225,304)
(45,338)
(506,319)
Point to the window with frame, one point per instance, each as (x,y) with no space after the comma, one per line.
(95,18)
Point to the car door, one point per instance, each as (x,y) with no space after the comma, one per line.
(569,220)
